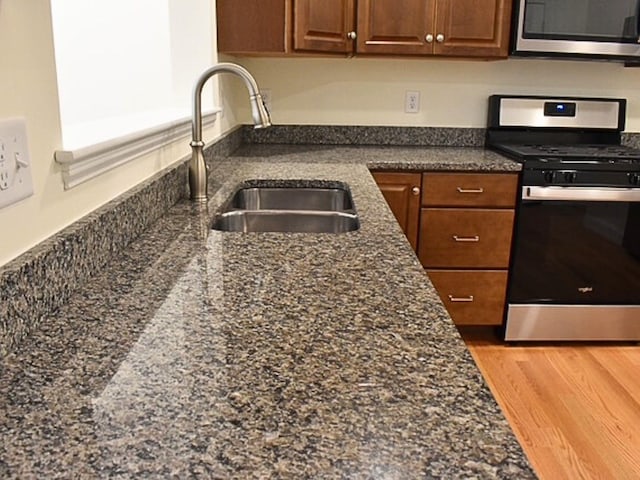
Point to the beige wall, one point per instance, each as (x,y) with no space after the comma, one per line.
(367,91)
(28,90)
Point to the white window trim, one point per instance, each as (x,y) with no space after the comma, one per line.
(81,165)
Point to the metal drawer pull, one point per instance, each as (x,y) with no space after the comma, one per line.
(470,190)
(475,238)
(460,299)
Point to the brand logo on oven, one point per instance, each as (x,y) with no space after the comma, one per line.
(585,289)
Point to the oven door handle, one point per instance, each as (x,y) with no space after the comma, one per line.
(583,194)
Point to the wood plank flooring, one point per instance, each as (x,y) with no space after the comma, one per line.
(574,407)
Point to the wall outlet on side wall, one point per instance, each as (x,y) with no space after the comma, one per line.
(16,182)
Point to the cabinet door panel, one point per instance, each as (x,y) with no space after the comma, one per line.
(472,297)
(465,238)
(401,191)
(323,25)
(247,26)
(473,27)
(395,26)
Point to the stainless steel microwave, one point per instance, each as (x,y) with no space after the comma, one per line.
(604,29)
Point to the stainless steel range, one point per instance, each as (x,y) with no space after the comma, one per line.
(575,268)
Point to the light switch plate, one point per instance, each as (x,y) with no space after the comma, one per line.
(16,181)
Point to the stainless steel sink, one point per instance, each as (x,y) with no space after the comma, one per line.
(286,221)
(289,208)
(292,198)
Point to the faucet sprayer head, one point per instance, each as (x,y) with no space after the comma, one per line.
(259,112)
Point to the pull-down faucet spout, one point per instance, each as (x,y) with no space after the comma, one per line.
(261,119)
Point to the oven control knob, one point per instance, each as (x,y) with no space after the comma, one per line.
(634,179)
(549,176)
(569,177)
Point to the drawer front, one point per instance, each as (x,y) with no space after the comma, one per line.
(469,189)
(465,238)
(472,297)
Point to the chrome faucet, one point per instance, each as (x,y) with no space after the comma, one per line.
(261,119)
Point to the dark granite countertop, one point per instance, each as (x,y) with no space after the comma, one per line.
(202,354)
(389,158)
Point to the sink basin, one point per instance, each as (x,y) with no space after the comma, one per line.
(286,221)
(292,198)
(289,208)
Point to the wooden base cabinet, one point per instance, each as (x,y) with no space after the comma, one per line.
(461,226)
(466,227)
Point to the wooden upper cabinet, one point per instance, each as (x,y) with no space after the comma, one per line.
(324,25)
(253,27)
(455,28)
(467,28)
(394,26)
(472,28)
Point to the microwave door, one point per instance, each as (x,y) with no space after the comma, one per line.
(596,29)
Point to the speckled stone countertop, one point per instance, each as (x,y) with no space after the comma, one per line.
(390,158)
(203,354)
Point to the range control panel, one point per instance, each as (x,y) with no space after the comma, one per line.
(16,181)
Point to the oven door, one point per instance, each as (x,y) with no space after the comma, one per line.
(576,256)
(604,28)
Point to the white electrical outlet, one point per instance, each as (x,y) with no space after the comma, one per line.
(16,181)
(412,102)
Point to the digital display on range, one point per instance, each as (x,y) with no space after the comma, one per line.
(559,109)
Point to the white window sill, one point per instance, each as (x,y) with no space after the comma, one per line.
(83,164)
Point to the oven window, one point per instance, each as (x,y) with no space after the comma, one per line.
(572,252)
(590,20)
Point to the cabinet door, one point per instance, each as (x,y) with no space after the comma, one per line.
(323,25)
(472,28)
(247,26)
(395,26)
(402,193)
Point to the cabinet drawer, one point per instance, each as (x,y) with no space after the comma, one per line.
(469,189)
(472,297)
(465,238)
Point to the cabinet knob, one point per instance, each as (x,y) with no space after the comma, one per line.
(429,38)
(415,190)
(351,35)
(439,38)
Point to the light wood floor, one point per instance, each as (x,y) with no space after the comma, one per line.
(575,408)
